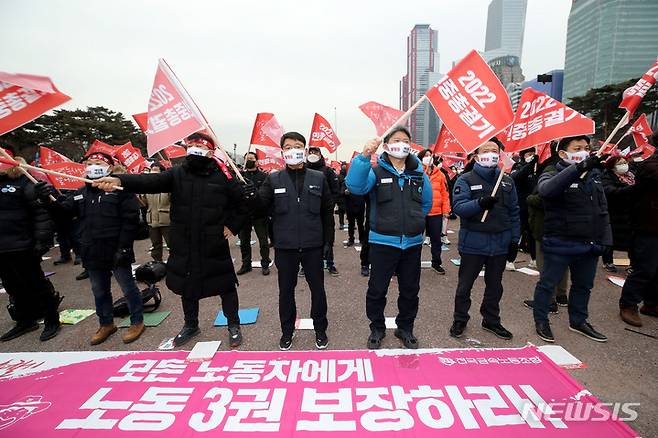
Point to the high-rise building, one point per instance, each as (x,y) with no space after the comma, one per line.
(553,87)
(507,68)
(514,91)
(608,41)
(505,27)
(422,59)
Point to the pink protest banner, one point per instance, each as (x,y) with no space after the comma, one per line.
(460,393)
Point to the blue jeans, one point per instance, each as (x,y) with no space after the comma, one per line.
(101,285)
(583,270)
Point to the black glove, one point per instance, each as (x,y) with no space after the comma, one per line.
(591,162)
(486,202)
(249,189)
(40,248)
(512,251)
(43,191)
(123,257)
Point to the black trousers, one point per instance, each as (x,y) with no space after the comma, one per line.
(365,246)
(434,229)
(230,307)
(287,264)
(469,268)
(386,261)
(642,283)
(68,237)
(33,294)
(260,227)
(356,218)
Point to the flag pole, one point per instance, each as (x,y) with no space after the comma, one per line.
(624,121)
(403,118)
(495,190)
(22,169)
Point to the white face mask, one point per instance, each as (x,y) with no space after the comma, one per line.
(427,160)
(488,159)
(95,171)
(312,158)
(398,149)
(576,157)
(621,169)
(294,157)
(529,158)
(196,150)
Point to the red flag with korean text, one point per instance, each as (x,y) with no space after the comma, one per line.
(99,146)
(632,96)
(25,97)
(259,136)
(540,118)
(544,151)
(505,162)
(471,102)
(381,115)
(446,142)
(70,168)
(131,157)
(142,120)
(48,156)
(170,116)
(174,151)
(641,131)
(323,135)
(269,158)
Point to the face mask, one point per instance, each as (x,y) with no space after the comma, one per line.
(621,169)
(488,159)
(427,160)
(293,157)
(529,158)
(95,171)
(195,150)
(250,164)
(398,149)
(312,158)
(576,157)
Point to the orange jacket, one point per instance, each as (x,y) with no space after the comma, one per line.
(440,195)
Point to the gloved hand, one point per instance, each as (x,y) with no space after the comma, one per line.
(40,248)
(486,202)
(249,189)
(123,257)
(43,191)
(512,251)
(591,162)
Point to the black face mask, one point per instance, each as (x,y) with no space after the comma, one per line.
(197,162)
(250,164)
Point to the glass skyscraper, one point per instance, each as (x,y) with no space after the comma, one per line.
(505,27)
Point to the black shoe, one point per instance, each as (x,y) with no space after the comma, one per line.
(438,269)
(62,261)
(457,329)
(321,341)
(365,271)
(185,335)
(83,275)
(286,342)
(50,331)
(498,330)
(407,338)
(301,272)
(244,269)
(349,243)
(266,270)
(333,271)
(19,330)
(375,339)
(609,267)
(77,261)
(552,308)
(544,332)
(588,331)
(234,336)
(562,300)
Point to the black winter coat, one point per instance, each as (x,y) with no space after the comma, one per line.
(330,176)
(23,220)
(619,196)
(644,212)
(256,177)
(203,201)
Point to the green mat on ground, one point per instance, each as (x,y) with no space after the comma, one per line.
(150,319)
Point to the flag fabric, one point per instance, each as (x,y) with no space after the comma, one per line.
(540,118)
(48,156)
(269,158)
(142,120)
(544,152)
(415,148)
(258,134)
(446,142)
(608,149)
(641,131)
(130,157)
(505,162)
(273,130)
(643,152)
(170,117)
(70,168)
(323,135)
(471,102)
(99,146)
(632,96)
(382,116)
(166,164)
(24,97)
(174,151)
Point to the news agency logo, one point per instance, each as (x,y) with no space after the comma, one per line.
(574,411)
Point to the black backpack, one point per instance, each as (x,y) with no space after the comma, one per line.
(149,273)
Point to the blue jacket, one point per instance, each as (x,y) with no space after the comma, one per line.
(361,180)
(480,243)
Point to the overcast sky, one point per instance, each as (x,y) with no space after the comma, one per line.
(237,58)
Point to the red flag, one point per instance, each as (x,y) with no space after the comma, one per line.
(450,159)
(544,152)
(273,130)
(641,131)
(540,118)
(381,115)
(48,156)
(166,164)
(471,102)
(130,157)
(416,148)
(24,97)
(269,158)
(608,149)
(170,114)
(632,96)
(506,162)
(70,168)
(99,146)
(446,142)
(174,151)
(323,135)
(258,136)
(142,120)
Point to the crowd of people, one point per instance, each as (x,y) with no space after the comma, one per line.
(567,212)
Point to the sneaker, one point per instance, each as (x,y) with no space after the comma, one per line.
(444,240)
(630,316)
(62,261)
(609,267)
(333,271)
(649,310)
(234,336)
(266,270)
(498,330)
(509,266)
(286,342)
(350,242)
(133,333)
(438,269)
(19,330)
(588,331)
(552,308)
(544,332)
(426,241)
(82,276)
(185,335)
(321,341)
(365,271)
(562,300)
(532,264)
(244,269)
(457,329)
(103,332)
(301,272)
(408,339)
(50,331)
(375,339)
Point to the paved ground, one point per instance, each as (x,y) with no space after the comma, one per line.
(623,370)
